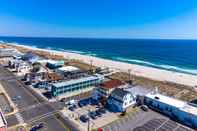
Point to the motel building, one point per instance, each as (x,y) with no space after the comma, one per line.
(75,86)
(120,100)
(176,109)
(3,122)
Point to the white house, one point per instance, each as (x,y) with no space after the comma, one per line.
(19,66)
(120,99)
(172,107)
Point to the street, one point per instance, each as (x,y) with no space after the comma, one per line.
(31,106)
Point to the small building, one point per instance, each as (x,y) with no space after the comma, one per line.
(75,85)
(3,122)
(120,100)
(30,57)
(70,72)
(174,108)
(34,76)
(9,52)
(19,66)
(47,79)
(53,64)
(105,89)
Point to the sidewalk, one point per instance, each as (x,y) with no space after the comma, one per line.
(15,109)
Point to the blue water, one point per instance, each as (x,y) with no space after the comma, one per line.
(173,55)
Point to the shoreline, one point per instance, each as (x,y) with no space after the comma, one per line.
(138,70)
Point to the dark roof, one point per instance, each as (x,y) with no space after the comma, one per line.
(119,92)
(111,84)
(29,55)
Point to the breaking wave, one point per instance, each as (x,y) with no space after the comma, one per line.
(159,66)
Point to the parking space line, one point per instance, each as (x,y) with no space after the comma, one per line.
(162,124)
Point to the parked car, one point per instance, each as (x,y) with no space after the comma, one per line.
(102,110)
(144,108)
(84,118)
(98,113)
(72,107)
(63,100)
(37,127)
(28,83)
(93,115)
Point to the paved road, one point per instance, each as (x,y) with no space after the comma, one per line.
(31,105)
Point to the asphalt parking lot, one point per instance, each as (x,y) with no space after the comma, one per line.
(139,120)
(161,125)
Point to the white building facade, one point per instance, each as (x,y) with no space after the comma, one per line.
(172,107)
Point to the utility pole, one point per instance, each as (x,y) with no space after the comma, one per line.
(129,72)
(88,121)
(91,66)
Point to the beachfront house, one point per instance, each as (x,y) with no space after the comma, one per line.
(19,66)
(30,57)
(3,122)
(70,72)
(48,79)
(53,64)
(75,86)
(174,108)
(120,100)
(104,89)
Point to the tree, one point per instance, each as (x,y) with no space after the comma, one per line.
(36,67)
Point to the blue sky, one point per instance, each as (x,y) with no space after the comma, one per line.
(100,18)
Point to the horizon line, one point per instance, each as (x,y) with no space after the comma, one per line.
(120,38)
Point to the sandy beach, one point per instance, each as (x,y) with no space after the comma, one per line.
(138,70)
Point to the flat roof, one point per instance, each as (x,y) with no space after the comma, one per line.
(184,106)
(2,120)
(68,68)
(55,61)
(166,99)
(52,61)
(73,81)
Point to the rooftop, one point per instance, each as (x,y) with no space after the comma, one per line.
(120,93)
(111,84)
(52,77)
(68,68)
(173,102)
(73,81)
(55,62)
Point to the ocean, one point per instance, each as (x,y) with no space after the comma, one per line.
(172,55)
